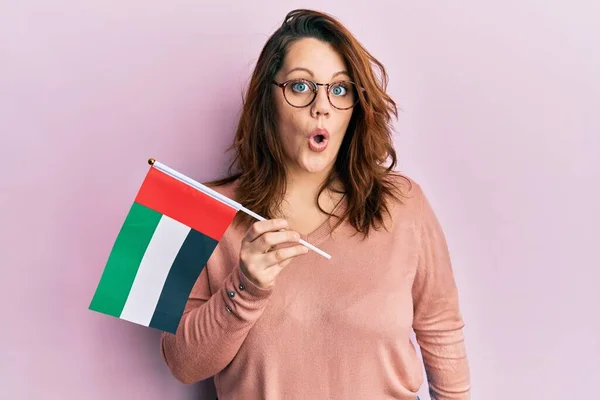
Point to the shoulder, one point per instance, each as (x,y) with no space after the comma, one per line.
(408,193)
(411,208)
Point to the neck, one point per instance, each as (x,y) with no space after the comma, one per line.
(303,187)
(299,180)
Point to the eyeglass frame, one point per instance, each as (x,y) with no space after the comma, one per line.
(283,85)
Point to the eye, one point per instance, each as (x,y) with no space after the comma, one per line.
(339,89)
(300,86)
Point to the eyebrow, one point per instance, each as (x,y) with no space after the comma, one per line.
(313,75)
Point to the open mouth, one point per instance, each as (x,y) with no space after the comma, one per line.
(318,143)
(319,138)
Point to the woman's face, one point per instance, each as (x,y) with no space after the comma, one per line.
(312,135)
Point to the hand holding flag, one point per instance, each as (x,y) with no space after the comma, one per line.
(260,264)
(170,232)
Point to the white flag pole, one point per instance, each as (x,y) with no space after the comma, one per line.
(218,196)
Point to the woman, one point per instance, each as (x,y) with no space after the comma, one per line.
(270,319)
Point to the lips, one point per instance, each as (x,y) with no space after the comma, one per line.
(318,139)
(322,132)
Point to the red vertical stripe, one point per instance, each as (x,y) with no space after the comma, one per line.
(188,205)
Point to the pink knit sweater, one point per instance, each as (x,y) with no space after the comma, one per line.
(330,329)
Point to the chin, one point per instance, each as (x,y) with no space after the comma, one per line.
(316,165)
(313,169)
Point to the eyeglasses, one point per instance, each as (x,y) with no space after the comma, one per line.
(302,92)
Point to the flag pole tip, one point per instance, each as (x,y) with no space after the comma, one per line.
(151,161)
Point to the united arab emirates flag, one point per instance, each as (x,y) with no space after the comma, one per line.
(168,235)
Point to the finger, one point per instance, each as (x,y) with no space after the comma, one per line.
(260,227)
(280,258)
(271,239)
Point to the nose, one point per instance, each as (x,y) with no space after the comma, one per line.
(321,105)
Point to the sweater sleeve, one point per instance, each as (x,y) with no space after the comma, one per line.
(213,326)
(438,323)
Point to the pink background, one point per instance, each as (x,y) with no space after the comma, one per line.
(500,125)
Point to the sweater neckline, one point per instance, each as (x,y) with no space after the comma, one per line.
(323,231)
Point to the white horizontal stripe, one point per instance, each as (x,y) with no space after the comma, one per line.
(154,268)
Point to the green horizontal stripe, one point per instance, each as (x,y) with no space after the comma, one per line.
(124,260)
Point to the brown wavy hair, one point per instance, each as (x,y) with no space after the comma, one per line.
(258,165)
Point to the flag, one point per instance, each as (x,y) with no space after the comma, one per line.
(168,235)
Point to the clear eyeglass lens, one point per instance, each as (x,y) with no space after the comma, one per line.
(301,93)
